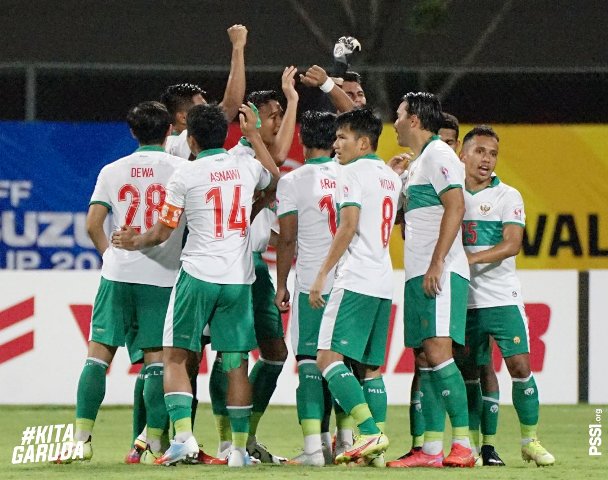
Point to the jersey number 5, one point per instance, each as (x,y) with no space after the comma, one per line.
(237,219)
(154,199)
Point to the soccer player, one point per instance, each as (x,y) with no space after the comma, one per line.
(355,321)
(436,278)
(180,98)
(306,199)
(276,130)
(493,231)
(134,291)
(214,285)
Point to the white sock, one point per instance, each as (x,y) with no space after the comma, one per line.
(432,448)
(154,445)
(326,439)
(312,443)
(82,435)
(182,437)
(345,436)
(224,447)
(142,436)
(462,441)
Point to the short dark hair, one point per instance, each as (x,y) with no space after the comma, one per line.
(451,123)
(208,125)
(363,122)
(262,97)
(178,97)
(318,129)
(482,131)
(351,76)
(426,107)
(149,122)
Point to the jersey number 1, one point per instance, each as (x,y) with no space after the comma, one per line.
(237,219)
(327,203)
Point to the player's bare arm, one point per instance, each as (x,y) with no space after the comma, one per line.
(235,86)
(512,238)
(349,219)
(284,138)
(248,120)
(316,76)
(453,204)
(127,237)
(286,249)
(96,216)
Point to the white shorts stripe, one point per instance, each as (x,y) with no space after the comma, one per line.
(295,321)
(443,307)
(168,328)
(328,322)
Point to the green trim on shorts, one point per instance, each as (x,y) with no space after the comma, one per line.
(441,316)
(506,324)
(130,314)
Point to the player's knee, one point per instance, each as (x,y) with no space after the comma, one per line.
(518,365)
(233,360)
(274,350)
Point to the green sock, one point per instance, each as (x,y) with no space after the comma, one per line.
(239,423)
(222,425)
(91,390)
(489,417)
(156,411)
(474,401)
(263,379)
(433,408)
(449,385)
(525,401)
(374,393)
(218,387)
(179,407)
(416,419)
(346,390)
(139,408)
(309,394)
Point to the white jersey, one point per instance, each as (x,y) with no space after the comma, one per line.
(263,222)
(178,145)
(487,212)
(368,183)
(310,193)
(133,189)
(216,192)
(436,170)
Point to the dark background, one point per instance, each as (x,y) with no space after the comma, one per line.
(512,61)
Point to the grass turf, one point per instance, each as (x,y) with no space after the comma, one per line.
(563,431)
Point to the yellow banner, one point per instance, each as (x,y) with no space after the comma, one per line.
(561,172)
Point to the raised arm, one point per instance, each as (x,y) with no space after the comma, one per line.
(280,149)
(235,86)
(315,76)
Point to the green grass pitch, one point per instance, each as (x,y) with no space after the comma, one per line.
(564,431)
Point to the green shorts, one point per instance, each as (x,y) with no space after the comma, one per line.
(440,316)
(226,308)
(508,325)
(129,314)
(266,315)
(356,326)
(305,325)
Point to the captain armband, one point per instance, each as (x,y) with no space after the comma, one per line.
(170,215)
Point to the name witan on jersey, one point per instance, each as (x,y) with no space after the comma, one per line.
(225,175)
(387,184)
(142,172)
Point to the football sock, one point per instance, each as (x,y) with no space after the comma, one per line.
(139,408)
(179,407)
(489,417)
(433,410)
(309,394)
(416,419)
(525,401)
(194,406)
(239,423)
(374,393)
(263,379)
(312,435)
(347,391)
(218,387)
(156,411)
(475,404)
(91,390)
